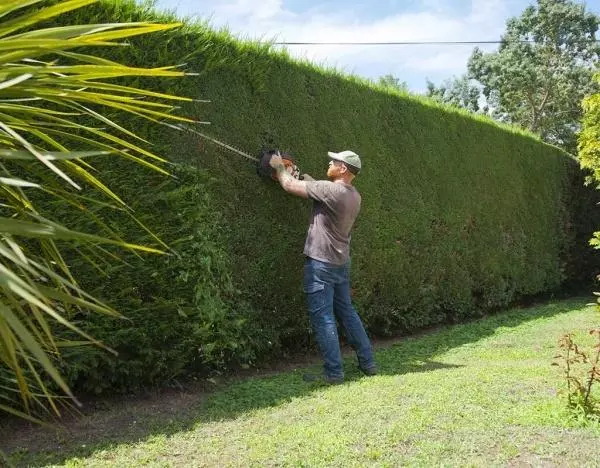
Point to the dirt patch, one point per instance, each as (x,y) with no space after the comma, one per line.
(100,419)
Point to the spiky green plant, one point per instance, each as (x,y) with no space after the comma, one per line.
(54,99)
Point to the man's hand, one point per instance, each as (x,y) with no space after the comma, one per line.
(287,181)
(276,161)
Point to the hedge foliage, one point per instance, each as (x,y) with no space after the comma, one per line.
(460,216)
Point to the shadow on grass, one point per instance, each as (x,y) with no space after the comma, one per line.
(136,420)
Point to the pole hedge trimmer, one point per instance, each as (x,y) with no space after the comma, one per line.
(262,162)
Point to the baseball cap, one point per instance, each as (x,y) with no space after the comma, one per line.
(347,157)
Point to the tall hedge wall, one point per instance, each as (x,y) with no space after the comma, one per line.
(460,216)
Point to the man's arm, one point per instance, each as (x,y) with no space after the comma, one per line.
(288,183)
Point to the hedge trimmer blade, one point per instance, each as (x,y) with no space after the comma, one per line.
(263,167)
(215,141)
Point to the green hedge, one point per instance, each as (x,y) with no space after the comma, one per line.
(460,216)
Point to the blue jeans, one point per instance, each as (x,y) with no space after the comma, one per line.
(327,289)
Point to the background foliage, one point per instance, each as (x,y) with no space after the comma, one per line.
(540,84)
(537,78)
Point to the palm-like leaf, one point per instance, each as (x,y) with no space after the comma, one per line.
(50,97)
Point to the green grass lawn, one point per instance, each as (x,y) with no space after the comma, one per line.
(477,394)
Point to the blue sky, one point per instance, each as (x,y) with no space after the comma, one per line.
(367,21)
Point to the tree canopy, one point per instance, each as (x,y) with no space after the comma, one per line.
(542,70)
(459,92)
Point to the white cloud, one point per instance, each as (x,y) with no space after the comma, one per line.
(437,20)
(250,10)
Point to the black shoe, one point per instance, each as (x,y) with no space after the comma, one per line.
(369,370)
(322,379)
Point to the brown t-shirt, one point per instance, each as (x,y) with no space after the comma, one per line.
(334,210)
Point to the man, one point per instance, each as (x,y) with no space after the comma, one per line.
(327,265)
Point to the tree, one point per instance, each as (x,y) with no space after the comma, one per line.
(54,99)
(589,144)
(458,92)
(542,70)
(390,81)
(589,138)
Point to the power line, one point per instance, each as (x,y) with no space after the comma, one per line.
(419,43)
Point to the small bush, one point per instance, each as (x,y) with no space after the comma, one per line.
(581,370)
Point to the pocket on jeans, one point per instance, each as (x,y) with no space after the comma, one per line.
(313,287)
(315,295)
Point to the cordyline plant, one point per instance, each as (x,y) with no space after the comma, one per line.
(54,98)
